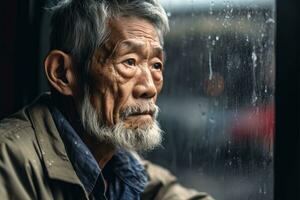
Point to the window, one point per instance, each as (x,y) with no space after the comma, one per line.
(217,104)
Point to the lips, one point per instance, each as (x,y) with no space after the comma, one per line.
(138,112)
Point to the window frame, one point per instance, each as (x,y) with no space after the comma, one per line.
(287,137)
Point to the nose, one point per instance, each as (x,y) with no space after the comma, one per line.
(145,87)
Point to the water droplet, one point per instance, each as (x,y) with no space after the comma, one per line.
(254,99)
(212,3)
(213,43)
(50,162)
(254,58)
(217,38)
(75,142)
(270,20)
(17,136)
(211,120)
(248,16)
(210,65)
(43,152)
(169,14)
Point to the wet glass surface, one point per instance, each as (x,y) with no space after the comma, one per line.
(217,104)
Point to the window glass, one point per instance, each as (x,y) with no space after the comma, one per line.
(217,106)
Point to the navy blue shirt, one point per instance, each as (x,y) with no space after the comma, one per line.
(125,176)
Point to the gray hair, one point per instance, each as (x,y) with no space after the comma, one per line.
(79,27)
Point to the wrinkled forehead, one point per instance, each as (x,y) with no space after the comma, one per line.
(132,28)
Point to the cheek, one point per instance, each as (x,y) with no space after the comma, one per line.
(158,80)
(157,76)
(124,81)
(104,92)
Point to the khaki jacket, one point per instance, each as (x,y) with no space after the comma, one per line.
(34,163)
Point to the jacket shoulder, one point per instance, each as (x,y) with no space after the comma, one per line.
(15,126)
(20,165)
(17,138)
(163,185)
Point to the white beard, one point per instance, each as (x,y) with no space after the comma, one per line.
(143,138)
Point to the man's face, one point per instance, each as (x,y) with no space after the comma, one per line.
(124,79)
(127,73)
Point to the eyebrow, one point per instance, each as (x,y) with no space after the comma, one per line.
(138,47)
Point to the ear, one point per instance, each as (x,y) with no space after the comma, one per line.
(60,73)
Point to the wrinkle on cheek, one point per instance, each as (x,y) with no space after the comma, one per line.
(125,93)
(121,98)
(108,106)
(110,95)
(122,85)
(104,92)
(95,101)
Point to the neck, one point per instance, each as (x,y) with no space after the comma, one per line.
(101,151)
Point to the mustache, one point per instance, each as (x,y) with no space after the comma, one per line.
(138,109)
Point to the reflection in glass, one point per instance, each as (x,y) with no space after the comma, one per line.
(217,103)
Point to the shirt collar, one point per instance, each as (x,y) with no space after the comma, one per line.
(130,170)
(86,167)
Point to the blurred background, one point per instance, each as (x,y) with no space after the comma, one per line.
(217,104)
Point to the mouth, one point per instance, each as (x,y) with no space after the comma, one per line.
(138,115)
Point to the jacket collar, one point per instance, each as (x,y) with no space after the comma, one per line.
(84,163)
(52,149)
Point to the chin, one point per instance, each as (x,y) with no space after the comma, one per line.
(136,130)
(142,137)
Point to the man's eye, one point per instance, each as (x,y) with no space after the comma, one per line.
(157,66)
(130,62)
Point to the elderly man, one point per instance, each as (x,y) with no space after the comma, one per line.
(105,71)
